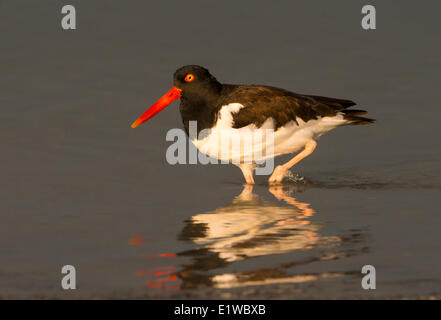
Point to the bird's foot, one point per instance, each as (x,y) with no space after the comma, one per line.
(278,174)
(249,178)
(247,171)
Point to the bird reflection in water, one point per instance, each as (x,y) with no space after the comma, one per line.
(252,228)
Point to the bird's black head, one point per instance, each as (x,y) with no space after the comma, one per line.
(196,83)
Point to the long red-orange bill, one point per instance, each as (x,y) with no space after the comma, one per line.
(165,100)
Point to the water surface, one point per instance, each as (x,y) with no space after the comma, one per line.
(80,187)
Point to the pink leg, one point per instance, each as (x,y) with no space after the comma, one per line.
(280,171)
(247,170)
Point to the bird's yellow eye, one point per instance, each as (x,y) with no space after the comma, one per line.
(189,77)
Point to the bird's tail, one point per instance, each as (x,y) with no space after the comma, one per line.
(352,116)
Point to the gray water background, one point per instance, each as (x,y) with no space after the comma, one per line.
(78,184)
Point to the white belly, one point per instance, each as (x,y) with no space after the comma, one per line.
(250,144)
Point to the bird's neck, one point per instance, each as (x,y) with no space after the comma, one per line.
(201,107)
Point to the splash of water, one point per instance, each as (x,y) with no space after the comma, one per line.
(295,178)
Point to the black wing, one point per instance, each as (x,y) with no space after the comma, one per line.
(263,102)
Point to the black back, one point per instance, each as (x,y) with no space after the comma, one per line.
(204,97)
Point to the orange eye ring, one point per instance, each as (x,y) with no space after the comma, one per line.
(189,77)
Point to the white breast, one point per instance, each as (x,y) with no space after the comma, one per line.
(250,143)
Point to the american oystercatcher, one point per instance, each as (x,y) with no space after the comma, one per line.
(226,111)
